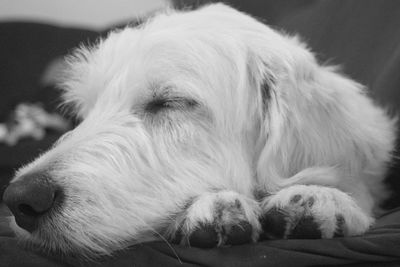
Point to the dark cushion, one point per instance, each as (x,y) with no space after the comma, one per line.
(378,247)
(26,49)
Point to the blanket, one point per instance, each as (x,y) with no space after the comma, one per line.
(380,246)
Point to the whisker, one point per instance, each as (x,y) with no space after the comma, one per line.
(162,238)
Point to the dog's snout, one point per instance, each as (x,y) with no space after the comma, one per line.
(30,198)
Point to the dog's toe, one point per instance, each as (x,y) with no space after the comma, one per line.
(205,236)
(240,233)
(210,235)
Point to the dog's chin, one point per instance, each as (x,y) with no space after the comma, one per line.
(58,245)
(71,248)
(65,252)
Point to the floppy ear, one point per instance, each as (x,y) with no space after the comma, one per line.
(77,82)
(317,126)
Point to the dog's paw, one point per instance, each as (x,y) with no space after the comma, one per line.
(302,211)
(218,219)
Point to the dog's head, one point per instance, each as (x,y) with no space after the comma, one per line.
(186,103)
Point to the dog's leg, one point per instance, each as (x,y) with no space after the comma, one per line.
(217,219)
(311,211)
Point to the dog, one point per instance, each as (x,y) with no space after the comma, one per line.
(204,119)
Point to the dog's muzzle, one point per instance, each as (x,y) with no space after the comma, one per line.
(31,198)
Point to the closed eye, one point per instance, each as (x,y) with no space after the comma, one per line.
(176,103)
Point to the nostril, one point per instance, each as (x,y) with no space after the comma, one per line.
(37,210)
(29,211)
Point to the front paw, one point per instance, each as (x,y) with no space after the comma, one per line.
(302,211)
(218,219)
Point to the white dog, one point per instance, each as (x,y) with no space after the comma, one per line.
(203,119)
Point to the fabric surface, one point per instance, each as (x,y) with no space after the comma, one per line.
(379,246)
(363,36)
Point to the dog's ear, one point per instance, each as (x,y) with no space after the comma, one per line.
(75,81)
(316,124)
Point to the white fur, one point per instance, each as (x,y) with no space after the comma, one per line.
(127,172)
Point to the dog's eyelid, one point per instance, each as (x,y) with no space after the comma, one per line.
(158,104)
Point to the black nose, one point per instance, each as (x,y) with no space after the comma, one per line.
(29,198)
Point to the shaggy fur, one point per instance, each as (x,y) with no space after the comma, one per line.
(187,117)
